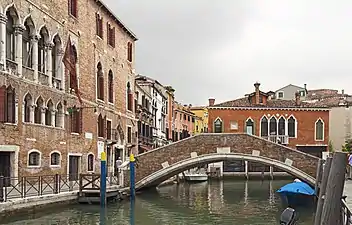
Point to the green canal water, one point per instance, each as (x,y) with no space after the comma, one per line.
(222,202)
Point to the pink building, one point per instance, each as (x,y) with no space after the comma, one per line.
(184,122)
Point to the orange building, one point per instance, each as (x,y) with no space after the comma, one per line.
(295,123)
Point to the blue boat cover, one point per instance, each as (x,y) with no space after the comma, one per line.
(297,188)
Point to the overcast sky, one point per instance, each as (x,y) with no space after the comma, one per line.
(220,48)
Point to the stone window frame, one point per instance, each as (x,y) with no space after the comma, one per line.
(253,125)
(285,126)
(60,159)
(73,8)
(235,123)
(222,124)
(296,123)
(8,102)
(261,126)
(39,160)
(88,164)
(315,129)
(110,87)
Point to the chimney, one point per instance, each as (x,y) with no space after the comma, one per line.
(343,92)
(256,85)
(298,98)
(305,86)
(211,101)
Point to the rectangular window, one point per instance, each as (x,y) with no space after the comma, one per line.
(99,25)
(72,8)
(129,51)
(280,94)
(233,125)
(108,130)
(129,134)
(76,121)
(110,35)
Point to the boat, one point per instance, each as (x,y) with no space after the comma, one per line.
(195,175)
(297,193)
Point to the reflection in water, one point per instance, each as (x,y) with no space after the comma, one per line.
(214,202)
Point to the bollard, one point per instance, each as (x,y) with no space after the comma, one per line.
(103,180)
(132,176)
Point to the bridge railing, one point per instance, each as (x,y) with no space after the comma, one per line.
(346,213)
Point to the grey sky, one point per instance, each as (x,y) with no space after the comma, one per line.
(207,48)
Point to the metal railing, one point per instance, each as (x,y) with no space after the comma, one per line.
(30,186)
(283,139)
(346,213)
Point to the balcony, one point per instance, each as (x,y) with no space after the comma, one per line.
(11,67)
(43,78)
(28,73)
(280,139)
(145,140)
(57,83)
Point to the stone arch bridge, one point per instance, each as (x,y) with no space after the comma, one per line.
(162,163)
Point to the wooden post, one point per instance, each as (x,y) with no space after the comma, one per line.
(334,190)
(318,176)
(322,191)
(246,169)
(272,172)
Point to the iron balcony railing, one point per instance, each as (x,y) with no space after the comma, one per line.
(282,139)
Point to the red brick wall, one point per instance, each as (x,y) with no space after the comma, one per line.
(305,122)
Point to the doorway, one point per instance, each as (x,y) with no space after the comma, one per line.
(5,167)
(73,168)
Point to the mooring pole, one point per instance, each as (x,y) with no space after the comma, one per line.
(132,176)
(322,191)
(318,176)
(334,190)
(103,180)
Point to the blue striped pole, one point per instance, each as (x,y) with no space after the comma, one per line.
(103,180)
(132,176)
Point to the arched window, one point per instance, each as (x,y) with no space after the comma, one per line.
(111,87)
(56,62)
(129,51)
(28,104)
(48,111)
(90,163)
(34,158)
(42,53)
(100,82)
(319,130)
(38,111)
(291,126)
(55,159)
(264,127)
(10,35)
(218,126)
(59,116)
(282,126)
(129,97)
(273,126)
(27,50)
(250,126)
(7,104)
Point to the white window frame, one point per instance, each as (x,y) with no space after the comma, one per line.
(277,124)
(296,125)
(315,129)
(278,94)
(285,124)
(60,159)
(40,158)
(245,125)
(222,124)
(260,125)
(90,171)
(235,124)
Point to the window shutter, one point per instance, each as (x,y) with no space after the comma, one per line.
(101,87)
(104,127)
(2,103)
(72,121)
(97,23)
(101,28)
(80,121)
(108,33)
(75,8)
(113,37)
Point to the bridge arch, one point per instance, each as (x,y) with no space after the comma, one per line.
(174,169)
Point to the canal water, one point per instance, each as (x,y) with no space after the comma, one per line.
(226,202)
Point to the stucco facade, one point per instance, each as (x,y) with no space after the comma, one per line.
(42,90)
(201,119)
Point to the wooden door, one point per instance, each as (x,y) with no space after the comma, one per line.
(73,168)
(5,167)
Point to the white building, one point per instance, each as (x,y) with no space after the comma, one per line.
(159,106)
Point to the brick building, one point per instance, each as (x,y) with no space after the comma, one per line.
(44,128)
(295,123)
